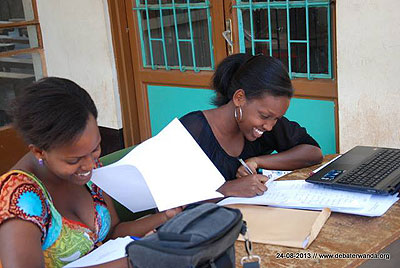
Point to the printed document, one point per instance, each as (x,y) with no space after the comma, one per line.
(303,195)
(166,171)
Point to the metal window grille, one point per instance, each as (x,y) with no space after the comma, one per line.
(317,64)
(175,34)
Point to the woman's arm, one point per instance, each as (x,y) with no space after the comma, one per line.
(139,227)
(20,244)
(299,156)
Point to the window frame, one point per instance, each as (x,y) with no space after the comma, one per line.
(287,6)
(37,50)
(317,88)
(174,7)
(35,22)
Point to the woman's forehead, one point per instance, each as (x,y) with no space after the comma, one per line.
(274,105)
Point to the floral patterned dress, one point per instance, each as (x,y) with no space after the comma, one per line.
(23,196)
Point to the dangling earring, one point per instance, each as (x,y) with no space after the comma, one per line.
(40,160)
(238,117)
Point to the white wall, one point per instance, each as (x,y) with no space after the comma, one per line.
(78,45)
(368,60)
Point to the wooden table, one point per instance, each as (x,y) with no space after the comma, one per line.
(342,233)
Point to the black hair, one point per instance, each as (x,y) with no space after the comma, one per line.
(51,112)
(256,75)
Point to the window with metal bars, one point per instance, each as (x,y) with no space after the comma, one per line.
(21,50)
(175,34)
(297,32)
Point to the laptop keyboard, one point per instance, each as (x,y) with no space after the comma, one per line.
(375,170)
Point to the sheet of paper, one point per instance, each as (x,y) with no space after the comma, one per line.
(300,194)
(109,251)
(174,167)
(126,185)
(377,206)
(274,174)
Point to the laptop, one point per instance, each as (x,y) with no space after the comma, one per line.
(373,170)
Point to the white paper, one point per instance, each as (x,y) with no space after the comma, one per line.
(377,206)
(303,195)
(109,251)
(173,166)
(126,185)
(274,174)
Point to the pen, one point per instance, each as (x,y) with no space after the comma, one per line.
(245,166)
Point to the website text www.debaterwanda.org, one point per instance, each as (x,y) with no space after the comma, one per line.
(314,255)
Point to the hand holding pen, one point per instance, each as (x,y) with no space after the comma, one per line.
(257,185)
(247,168)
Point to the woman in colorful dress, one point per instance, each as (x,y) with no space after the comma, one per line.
(50,212)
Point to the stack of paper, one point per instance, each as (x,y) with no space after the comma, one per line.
(303,195)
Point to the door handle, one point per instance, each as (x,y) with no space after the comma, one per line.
(227,34)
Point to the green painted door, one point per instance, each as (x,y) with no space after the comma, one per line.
(166,103)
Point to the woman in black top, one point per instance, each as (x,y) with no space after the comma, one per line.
(253,94)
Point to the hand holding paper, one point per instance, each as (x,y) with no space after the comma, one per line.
(148,176)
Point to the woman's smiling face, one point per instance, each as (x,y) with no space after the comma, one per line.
(75,161)
(261,114)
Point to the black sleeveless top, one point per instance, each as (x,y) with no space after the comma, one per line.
(284,135)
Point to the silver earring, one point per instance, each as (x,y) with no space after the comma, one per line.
(40,160)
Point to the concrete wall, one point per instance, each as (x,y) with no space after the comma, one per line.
(78,45)
(368,47)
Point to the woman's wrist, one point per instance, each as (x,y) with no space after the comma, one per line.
(164,217)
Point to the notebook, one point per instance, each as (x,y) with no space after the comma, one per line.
(363,169)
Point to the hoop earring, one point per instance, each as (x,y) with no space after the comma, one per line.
(240,116)
(40,160)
